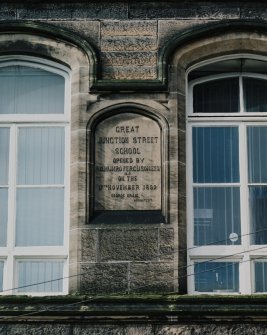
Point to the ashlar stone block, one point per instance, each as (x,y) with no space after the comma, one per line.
(104,278)
(128,58)
(128,244)
(89,242)
(121,43)
(166,243)
(151,277)
(133,73)
(40,329)
(99,330)
(129,28)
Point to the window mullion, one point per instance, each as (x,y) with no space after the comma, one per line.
(9,270)
(67,187)
(190,209)
(245,273)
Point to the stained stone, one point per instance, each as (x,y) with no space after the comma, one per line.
(133,73)
(129,58)
(129,28)
(123,43)
(104,278)
(128,244)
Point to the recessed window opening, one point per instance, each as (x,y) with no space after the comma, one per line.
(227,178)
(34,153)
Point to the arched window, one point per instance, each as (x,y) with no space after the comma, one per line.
(33,177)
(227,176)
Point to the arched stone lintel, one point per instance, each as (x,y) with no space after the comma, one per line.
(200,32)
(54,33)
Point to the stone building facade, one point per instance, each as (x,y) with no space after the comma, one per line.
(129,251)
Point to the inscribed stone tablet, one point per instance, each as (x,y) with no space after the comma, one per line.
(127,163)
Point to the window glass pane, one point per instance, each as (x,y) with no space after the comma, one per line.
(260,276)
(40,214)
(258,214)
(217,96)
(43,272)
(257,154)
(215,155)
(1,275)
(3,216)
(4,155)
(216,277)
(26,90)
(255,97)
(41,155)
(216,215)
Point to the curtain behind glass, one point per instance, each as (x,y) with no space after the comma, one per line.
(215,155)
(4,170)
(40,216)
(40,210)
(41,155)
(44,272)
(257,154)
(258,214)
(216,161)
(255,97)
(3,216)
(260,276)
(1,275)
(257,174)
(216,276)
(26,90)
(216,96)
(216,215)
(4,155)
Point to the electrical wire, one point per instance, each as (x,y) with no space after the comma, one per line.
(93,298)
(150,259)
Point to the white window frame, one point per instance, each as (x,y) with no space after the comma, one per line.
(246,254)
(46,66)
(11,254)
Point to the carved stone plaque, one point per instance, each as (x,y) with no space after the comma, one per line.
(127,163)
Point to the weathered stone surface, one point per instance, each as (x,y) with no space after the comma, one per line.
(129,58)
(130,73)
(212,329)
(104,278)
(168,29)
(181,110)
(73,11)
(151,277)
(254,11)
(42,13)
(140,329)
(112,329)
(128,244)
(99,330)
(89,29)
(123,43)
(40,329)
(182,192)
(7,14)
(128,28)
(166,243)
(182,10)
(89,240)
(101,10)
(182,146)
